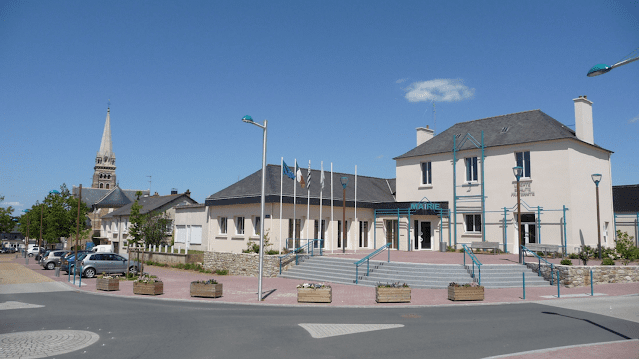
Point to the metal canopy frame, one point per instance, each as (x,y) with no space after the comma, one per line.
(628,220)
(472,198)
(401,212)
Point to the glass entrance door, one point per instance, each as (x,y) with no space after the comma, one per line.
(528,228)
(391,233)
(422,238)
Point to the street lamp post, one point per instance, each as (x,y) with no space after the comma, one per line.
(77,233)
(344,182)
(517,171)
(596,177)
(26,240)
(248,119)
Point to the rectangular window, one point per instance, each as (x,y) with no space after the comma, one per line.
(471,169)
(239,225)
(257,226)
(426,173)
(363,233)
(523,161)
(223,222)
(339,235)
(473,223)
(181,234)
(315,229)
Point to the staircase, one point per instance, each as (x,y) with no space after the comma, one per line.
(417,275)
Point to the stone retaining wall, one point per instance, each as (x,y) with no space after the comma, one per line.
(578,276)
(169,258)
(246,264)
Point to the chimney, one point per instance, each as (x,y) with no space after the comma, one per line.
(174,191)
(583,120)
(188,193)
(424,134)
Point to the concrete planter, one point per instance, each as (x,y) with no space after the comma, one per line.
(392,294)
(107,284)
(207,290)
(154,288)
(465,293)
(311,295)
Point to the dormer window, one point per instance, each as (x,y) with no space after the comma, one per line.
(504,129)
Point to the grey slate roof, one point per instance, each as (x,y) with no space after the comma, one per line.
(91,196)
(248,190)
(625,199)
(116,198)
(152,203)
(522,127)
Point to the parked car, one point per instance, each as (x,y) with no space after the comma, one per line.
(9,250)
(94,263)
(33,251)
(52,259)
(67,261)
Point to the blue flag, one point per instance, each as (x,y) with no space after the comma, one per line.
(287,171)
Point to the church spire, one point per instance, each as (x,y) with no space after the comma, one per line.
(104,169)
(106,147)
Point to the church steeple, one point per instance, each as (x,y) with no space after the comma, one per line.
(104,169)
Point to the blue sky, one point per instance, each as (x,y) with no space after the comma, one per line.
(338,81)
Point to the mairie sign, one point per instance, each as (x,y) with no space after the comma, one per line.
(425,205)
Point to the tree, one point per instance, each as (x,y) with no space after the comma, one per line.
(6,219)
(136,230)
(59,217)
(156,228)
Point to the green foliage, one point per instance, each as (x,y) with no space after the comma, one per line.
(625,247)
(450,249)
(6,220)
(607,262)
(586,253)
(222,271)
(573,256)
(58,213)
(566,262)
(254,247)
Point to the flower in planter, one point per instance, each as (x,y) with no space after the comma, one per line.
(465,285)
(313,285)
(106,276)
(209,281)
(146,278)
(392,285)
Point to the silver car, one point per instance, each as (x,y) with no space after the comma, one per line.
(52,259)
(96,263)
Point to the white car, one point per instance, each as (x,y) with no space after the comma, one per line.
(33,251)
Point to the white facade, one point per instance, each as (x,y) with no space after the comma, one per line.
(558,195)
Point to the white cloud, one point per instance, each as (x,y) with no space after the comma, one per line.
(401,80)
(438,90)
(7,204)
(633,120)
(380,157)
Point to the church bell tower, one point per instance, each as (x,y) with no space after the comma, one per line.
(104,169)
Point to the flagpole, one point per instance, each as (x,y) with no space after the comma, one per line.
(321,228)
(356,221)
(281,193)
(332,222)
(308,205)
(294,205)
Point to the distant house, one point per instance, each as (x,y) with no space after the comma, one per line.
(626,206)
(14,239)
(115,224)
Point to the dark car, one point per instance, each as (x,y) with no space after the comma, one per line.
(52,259)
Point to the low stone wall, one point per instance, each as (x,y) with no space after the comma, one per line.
(169,258)
(578,276)
(246,264)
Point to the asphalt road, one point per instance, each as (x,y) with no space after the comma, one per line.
(141,327)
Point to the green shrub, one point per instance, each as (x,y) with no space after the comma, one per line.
(450,249)
(573,256)
(607,262)
(566,262)
(222,271)
(625,248)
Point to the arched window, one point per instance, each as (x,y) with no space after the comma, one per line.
(107,186)
(101,185)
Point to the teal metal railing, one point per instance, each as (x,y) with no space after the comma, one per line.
(539,259)
(476,262)
(309,248)
(368,258)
